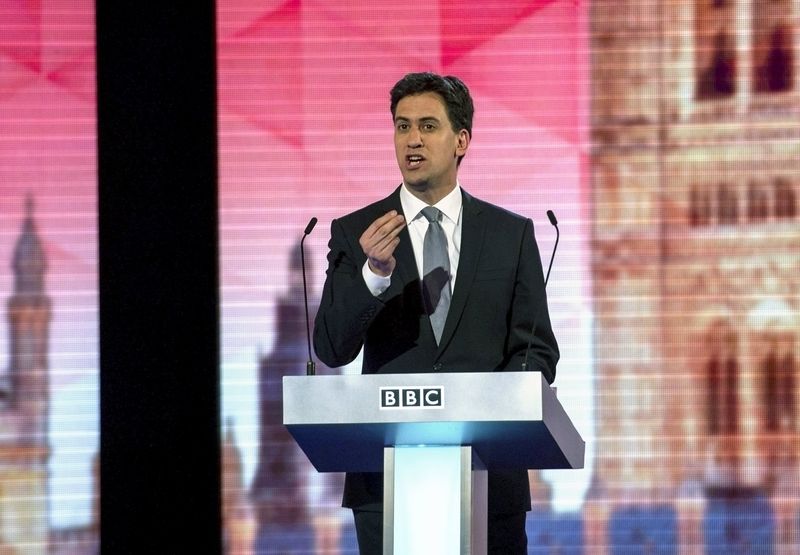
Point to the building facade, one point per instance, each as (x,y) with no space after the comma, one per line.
(295,507)
(695,175)
(24,415)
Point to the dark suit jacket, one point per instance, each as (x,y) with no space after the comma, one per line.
(499,291)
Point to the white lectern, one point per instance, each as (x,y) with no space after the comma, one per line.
(433,435)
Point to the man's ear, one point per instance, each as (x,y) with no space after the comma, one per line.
(463,142)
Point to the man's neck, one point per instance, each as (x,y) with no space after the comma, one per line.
(430,195)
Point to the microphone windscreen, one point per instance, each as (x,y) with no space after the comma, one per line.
(310,226)
(552,217)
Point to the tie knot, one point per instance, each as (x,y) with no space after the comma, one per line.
(431,214)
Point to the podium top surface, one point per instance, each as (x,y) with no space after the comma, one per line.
(512,419)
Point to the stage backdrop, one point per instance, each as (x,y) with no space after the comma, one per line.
(48,279)
(664,136)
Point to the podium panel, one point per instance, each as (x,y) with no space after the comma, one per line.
(434,501)
(433,435)
(511,419)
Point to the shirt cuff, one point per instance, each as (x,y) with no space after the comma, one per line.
(375,283)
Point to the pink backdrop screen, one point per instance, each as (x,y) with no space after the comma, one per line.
(662,134)
(305,130)
(48,279)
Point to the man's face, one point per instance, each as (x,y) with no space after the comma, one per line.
(425,144)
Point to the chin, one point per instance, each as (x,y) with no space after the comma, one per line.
(419,183)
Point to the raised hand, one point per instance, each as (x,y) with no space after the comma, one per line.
(380,240)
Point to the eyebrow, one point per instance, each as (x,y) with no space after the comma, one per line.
(422,119)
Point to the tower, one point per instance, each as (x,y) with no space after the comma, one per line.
(277,490)
(695,235)
(29,323)
(238,522)
(24,448)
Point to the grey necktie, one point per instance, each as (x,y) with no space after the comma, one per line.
(435,272)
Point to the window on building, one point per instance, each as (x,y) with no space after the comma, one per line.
(775,73)
(722,384)
(779,391)
(731,385)
(757,202)
(699,207)
(715,49)
(773,50)
(785,199)
(714,405)
(718,78)
(727,205)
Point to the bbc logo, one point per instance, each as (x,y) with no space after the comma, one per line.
(412,397)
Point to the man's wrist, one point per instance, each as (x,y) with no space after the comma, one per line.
(375,282)
(377,271)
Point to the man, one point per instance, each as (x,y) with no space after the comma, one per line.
(455,289)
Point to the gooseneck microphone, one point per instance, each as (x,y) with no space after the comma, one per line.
(311,366)
(554,222)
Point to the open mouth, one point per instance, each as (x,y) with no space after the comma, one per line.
(414,160)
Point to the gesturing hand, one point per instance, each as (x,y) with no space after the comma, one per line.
(379,241)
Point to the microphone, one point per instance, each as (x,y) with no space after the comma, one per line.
(311,366)
(554,223)
(313,222)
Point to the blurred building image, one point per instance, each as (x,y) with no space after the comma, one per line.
(24,414)
(25,397)
(277,490)
(289,508)
(696,257)
(238,520)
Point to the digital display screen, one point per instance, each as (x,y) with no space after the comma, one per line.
(663,136)
(49,424)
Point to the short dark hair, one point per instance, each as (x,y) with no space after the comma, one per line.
(454,92)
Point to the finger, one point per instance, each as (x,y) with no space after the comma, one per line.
(387,233)
(377,224)
(375,236)
(386,227)
(383,249)
(387,251)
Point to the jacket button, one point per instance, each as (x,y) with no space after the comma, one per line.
(437,367)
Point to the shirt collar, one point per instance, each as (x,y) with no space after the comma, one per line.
(450,205)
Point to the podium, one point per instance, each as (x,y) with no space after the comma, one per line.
(434,436)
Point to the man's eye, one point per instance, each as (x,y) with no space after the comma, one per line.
(402,126)
(429,127)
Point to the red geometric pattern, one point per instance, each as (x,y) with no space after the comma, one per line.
(21,32)
(52,39)
(465,26)
(261,72)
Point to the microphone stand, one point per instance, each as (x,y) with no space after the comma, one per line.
(311,366)
(554,222)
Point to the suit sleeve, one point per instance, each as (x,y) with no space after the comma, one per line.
(529,313)
(347,306)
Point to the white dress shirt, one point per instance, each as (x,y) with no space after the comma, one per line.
(450,206)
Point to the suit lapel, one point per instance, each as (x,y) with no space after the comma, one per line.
(473,228)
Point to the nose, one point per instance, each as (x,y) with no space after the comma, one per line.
(414,138)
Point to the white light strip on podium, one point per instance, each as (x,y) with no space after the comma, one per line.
(427,520)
